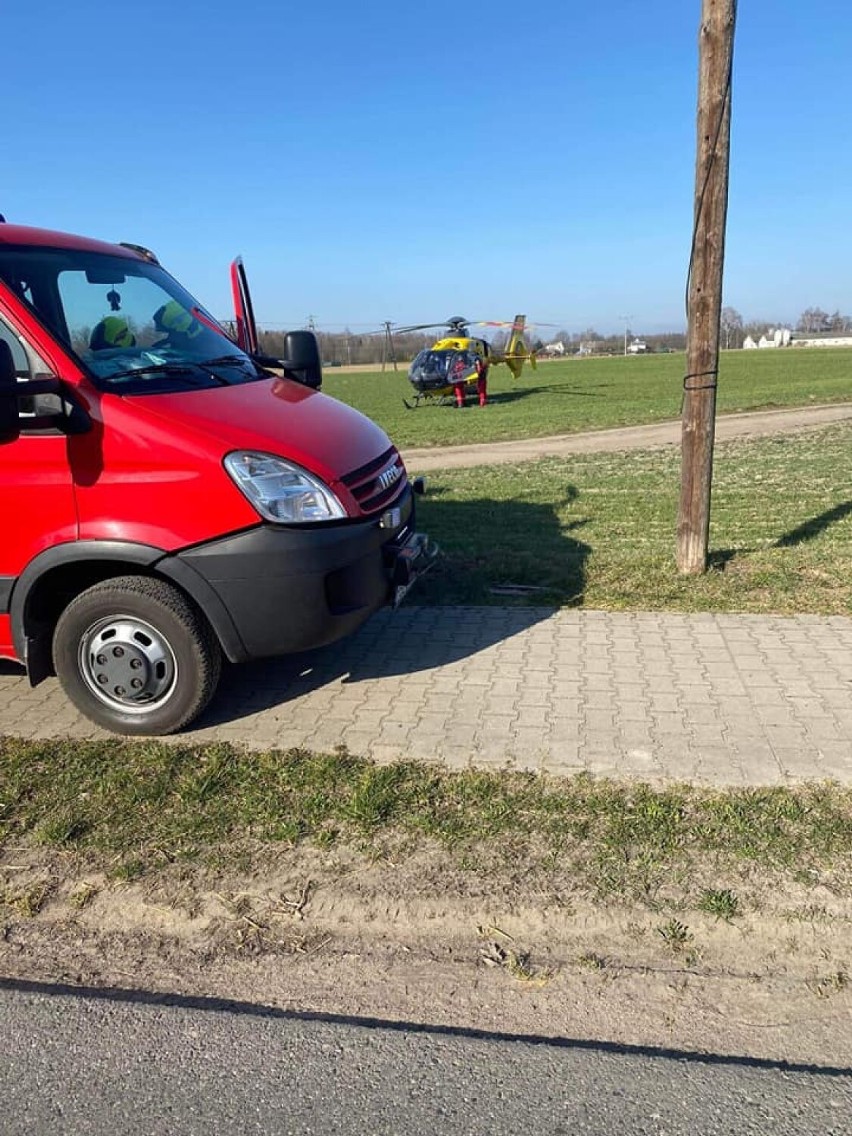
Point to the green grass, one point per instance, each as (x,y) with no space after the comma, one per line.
(592,394)
(137,807)
(599,530)
(720,902)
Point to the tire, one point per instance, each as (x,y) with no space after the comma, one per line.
(135,656)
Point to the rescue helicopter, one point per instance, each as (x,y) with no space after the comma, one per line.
(459,361)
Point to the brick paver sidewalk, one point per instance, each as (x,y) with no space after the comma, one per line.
(721,699)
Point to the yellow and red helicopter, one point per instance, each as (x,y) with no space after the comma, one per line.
(459,360)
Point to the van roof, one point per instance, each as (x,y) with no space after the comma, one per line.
(48,238)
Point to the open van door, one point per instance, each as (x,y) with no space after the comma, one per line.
(243,310)
(300,360)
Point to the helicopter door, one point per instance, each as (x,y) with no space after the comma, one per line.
(461,367)
(243,310)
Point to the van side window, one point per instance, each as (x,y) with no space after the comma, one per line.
(19,355)
(29,364)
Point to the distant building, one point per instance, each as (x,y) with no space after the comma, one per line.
(820,339)
(784,337)
(637,347)
(775,337)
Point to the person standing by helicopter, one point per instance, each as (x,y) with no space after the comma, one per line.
(458,378)
(462,369)
(482,379)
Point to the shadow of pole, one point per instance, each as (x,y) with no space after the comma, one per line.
(812,528)
(254,1009)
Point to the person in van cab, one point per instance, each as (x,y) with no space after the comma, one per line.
(111,333)
(178,326)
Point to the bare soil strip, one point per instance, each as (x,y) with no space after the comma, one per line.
(756,424)
(423,941)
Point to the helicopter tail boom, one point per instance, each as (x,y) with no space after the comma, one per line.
(517,350)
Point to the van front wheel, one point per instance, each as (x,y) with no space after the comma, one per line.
(135,656)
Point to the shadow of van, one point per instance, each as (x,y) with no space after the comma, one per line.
(505,567)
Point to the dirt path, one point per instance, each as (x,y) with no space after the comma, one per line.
(416,939)
(753,424)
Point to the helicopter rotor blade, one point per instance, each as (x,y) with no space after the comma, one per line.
(510,323)
(456,322)
(417,327)
(453,321)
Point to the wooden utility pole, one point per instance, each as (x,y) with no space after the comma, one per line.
(704,293)
(388,349)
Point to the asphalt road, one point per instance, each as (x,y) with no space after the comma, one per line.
(109,1062)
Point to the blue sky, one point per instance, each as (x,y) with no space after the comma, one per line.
(406,162)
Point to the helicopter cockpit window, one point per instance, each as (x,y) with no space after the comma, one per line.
(432,370)
(432,362)
(429,369)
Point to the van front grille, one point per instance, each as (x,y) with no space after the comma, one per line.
(377,483)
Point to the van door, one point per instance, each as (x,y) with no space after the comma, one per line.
(243,310)
(37,509)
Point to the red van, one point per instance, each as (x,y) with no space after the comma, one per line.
(171,496)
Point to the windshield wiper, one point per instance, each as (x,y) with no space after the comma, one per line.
(224,361)
(182,369)
(155,368)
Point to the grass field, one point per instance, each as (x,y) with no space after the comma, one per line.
(136,808)
(599,530)
(591,394)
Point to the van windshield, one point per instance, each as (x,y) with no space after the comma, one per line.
(131,325)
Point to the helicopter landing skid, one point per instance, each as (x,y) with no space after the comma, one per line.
(429,399)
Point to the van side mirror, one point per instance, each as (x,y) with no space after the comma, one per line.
(10,421)
(300,359)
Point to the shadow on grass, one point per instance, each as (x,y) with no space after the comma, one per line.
(559,389)
(448,401)
(518,548)
(719,559)
(813,527)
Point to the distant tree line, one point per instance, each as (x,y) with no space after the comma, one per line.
(816,320)
(351,348)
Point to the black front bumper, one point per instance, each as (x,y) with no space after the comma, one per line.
(290,589)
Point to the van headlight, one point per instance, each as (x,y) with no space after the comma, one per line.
(281,491)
